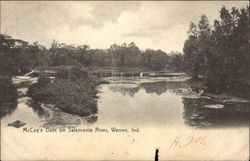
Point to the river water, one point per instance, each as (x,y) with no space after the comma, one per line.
(162,109)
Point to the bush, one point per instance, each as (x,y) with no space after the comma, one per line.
(72,97)
(8,92)
(62,73)
(35,90)
(73,92)
(73,74)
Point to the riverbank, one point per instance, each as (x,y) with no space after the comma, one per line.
(222,96)
(56,117)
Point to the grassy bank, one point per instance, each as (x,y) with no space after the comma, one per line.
(72,90)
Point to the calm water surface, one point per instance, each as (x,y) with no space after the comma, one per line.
(143,101)
(162,108)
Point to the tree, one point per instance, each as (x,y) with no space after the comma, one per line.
(221,54)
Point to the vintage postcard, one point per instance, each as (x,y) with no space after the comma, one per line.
(124,80)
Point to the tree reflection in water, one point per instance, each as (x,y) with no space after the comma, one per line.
(131,91)
(152,87)
(196,113)
(7,109)
(162,87)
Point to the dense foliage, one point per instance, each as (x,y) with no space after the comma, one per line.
(220,53)
(125,55)
(72,91)
(18,57)
(8,67)
(8,92)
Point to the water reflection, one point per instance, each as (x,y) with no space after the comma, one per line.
(162,87)
(163,102)
(198,112)
(151,87)
(141,109)
(131,91)
(7,109)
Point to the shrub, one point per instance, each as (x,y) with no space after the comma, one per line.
(35,90)
(8,92)
(62,73)
(73,91)
(72,97)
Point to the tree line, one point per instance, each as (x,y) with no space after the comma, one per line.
(18,56)
(219,53)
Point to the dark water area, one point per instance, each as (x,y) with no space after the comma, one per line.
(157,101)
(8,109)
(196,113)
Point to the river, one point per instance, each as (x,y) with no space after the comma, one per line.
(163,109)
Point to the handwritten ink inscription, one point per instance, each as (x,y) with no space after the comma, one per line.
(181,142)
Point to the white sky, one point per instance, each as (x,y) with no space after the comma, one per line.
(157,25)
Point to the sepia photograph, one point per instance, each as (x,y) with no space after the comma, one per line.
(124,80)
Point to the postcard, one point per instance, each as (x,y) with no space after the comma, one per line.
(124,80)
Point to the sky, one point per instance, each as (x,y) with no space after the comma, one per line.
(156,25)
